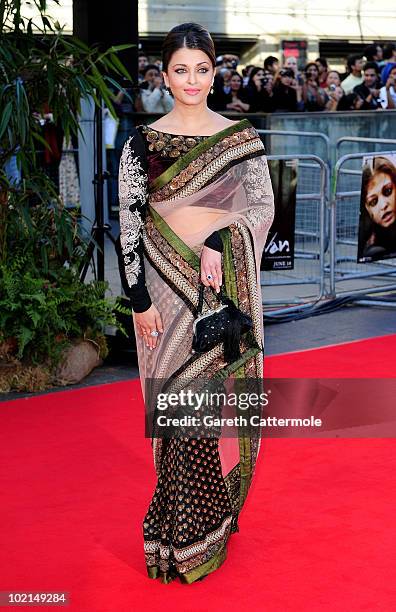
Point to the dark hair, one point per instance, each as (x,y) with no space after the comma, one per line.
(270,61)
(150,67)
(380,165)
(388,50)
(252,74)
(308,66)
(236,73)
(370,66)
(286,72)
(347,102)
(187,36)
(245,71)
(323,61)
(367,226)
(282,72)
(352,59)
(370,51)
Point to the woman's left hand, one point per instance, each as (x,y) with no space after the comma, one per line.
(211,264)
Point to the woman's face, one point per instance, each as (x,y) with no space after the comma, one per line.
(286,80)
(190,76)
(312,72)
(258,76)
(381,199)
(333,79)
(235,82)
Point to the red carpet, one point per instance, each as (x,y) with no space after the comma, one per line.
(317,531)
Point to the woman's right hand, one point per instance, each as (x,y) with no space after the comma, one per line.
(145,322)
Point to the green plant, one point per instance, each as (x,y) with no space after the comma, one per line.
(43,304)
(44,316)
(42,67)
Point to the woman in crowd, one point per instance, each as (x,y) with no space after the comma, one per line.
(350,102)
(333,90)
(196,205)
(237,98)
(259,91)
(315,98)
(323,70)
(284,94)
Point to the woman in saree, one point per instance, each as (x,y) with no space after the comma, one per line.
(196,204)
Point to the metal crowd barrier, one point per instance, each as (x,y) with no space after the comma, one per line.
(305,283)
(296,135)
(308,176)
(361,140)
(326,229)
(361,278)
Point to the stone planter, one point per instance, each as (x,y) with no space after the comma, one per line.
(78,360)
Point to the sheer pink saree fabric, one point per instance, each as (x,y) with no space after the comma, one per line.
(221,185)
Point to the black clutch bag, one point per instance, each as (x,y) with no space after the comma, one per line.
(226,323)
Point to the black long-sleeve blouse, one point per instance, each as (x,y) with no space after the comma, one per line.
(142,160)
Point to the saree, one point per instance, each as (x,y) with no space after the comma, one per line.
(222,184)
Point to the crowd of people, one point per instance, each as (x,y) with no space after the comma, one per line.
(369,83)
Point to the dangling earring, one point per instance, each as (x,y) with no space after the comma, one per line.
(211,89)
(168,90)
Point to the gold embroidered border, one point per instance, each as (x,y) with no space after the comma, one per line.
(188,556)
(209,163)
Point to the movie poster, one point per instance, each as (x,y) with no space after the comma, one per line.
(279,248)
(377,219)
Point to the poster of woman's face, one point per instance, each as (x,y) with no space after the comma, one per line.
(377,221)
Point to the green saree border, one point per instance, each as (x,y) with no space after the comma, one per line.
(238,368)
(177,243)
(206,568)
(191,576)
(200,148)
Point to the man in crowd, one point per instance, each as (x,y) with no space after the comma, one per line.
(271,64)
(355,65)
(369,89)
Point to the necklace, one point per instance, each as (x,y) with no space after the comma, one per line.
(169,145)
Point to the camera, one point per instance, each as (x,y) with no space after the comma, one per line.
(287,72)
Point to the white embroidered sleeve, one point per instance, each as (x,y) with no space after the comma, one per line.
(132,193)
(259,193)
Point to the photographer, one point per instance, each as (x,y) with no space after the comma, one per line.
(259,91)
(369,89)
(153,95)
(284,92)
